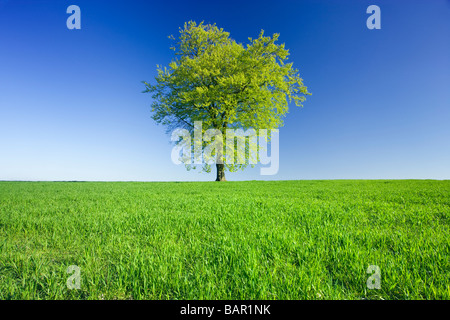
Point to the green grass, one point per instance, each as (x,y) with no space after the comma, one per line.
(232,240)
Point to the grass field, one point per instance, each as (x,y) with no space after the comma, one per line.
(232,240)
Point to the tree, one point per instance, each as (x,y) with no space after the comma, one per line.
(225,85)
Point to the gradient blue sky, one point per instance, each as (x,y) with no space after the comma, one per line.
(71,106)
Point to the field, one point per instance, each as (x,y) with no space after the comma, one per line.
(230,240)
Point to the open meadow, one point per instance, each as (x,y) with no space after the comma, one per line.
(231,240)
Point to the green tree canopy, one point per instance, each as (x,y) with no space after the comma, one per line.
(225,84)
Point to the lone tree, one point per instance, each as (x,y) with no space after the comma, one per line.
(225,85)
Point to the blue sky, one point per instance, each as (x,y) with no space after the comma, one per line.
(71,106)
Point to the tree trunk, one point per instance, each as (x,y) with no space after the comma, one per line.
(220,172)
